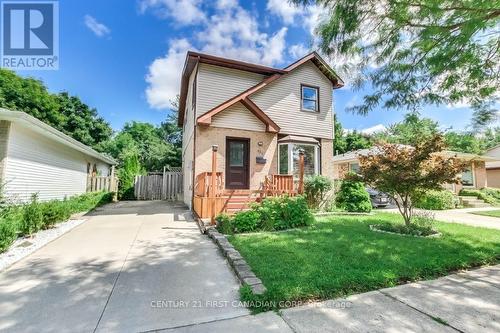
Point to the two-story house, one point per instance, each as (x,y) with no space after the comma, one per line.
(258,116)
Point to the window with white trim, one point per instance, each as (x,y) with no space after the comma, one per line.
(288,159)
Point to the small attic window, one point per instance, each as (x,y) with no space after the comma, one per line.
(309,98)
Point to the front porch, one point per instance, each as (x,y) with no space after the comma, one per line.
(211,196)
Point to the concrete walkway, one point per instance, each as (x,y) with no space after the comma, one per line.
(132,267)
(463,216)
(467,302)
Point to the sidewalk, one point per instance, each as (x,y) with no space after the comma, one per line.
(464,302)
(463,216)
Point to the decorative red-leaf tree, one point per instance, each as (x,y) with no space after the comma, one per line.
(405,172)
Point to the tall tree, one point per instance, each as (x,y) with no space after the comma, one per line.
(61,111)
(416,52)
(147,141)
(409,131)
(345,141)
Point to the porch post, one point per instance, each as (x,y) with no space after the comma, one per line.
(301,171)
(212,187)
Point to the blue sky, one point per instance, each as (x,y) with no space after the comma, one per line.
(124,57)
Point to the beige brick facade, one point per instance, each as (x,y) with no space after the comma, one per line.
(327,158)
(208,136)
(479,175)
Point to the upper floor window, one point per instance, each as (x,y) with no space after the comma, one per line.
(310,98)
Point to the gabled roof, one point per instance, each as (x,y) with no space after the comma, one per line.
(42,128)
(193,58)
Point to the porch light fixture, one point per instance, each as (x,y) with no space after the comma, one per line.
(215,147)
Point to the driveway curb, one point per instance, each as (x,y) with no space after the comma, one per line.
(236,261)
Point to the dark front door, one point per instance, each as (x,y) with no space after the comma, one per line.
(237,163)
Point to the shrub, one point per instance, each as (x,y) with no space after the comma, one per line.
(292,212)
(32,218)
(8,231)
(436,200)
(315,188)
(488,195)
(353,197)
(131,167)
(224,224)
(411,229)
(246,221)
(53,212)
(277,213)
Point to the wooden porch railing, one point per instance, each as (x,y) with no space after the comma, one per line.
(210,198)
(203,184)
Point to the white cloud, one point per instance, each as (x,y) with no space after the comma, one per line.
(164,75)
(297,51)
(230,32)
(184,12)
(368,131)
(99,29)
(374,129)
(283,9)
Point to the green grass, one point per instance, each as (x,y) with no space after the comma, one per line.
(493,213)
(340,255)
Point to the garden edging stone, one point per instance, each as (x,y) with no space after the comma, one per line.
(236,261)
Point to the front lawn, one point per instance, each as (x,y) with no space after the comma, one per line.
(340,255)
(493,213)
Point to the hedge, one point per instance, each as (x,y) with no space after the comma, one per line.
(488,195)
(26,219)
(277,213)
(436,200)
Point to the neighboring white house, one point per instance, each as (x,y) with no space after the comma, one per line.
(36,158)
(493,168)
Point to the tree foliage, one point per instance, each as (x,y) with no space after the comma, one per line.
(405,173)
(348,141)
(417,52)
(148,142)
(409,131)
(61,111)
(415,128)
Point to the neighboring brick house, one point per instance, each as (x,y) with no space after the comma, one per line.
(258,116)
(474,177)
(493,167)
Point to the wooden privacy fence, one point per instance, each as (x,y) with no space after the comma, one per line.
(102,183)
(159,186)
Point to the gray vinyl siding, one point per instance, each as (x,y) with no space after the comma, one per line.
(37,164)
(188,141)
(281,101)
(218,84)
(238,117)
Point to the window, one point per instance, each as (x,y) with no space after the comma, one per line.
(354,167)
(310,98)
(283,159)
(288,161)
(468,177)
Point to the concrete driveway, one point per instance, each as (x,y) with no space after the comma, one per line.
(132,267)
